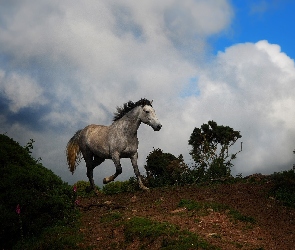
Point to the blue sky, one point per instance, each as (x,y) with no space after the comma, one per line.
(64,65)
(260,20)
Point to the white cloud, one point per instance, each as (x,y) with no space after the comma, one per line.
(250,88)
(20,90)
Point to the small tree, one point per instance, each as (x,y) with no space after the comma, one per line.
(210,147)
(164,168)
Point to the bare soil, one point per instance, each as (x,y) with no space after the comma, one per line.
(274,226)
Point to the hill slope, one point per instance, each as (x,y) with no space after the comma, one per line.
(226,216)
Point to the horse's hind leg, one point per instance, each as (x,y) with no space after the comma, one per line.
(90,175)
(90,165)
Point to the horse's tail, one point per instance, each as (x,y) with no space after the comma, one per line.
(73,152)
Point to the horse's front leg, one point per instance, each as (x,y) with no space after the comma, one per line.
(116,160)
(136,171)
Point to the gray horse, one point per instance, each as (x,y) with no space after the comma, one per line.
(119,140)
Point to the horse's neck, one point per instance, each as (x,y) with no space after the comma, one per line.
(130,122)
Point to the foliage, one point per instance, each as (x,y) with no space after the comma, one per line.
(30,147)
(164,169)
(54,238)
(284,187)
(43,198)
(210,145)
(170,235)
(83,189)
(117,187)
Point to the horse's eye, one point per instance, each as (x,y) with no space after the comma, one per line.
(147,111)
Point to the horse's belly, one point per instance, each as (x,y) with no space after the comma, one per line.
(128,152)
(102,152)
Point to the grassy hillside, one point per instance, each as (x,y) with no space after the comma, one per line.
(244,214)
(40,211)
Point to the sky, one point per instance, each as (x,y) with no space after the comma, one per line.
(65,65)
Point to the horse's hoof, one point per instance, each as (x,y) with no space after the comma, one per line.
(96,192)
(88,189)
(144,188)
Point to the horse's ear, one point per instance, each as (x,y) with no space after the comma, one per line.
(152,101)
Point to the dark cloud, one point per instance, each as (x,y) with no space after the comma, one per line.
(31,118)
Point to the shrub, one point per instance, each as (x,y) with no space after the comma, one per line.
(44,199)
(284,187)
(120,187)
(165,169)
(83,189)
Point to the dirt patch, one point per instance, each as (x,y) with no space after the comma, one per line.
(274,226)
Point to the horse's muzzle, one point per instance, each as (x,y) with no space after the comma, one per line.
(158,127)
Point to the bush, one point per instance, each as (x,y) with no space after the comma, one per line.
(43,198)
(284,187)
(83,189)
(164,169)
(121,187)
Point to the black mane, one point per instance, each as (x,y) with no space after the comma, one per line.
(128,106)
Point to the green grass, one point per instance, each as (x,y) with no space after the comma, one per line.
(170,236)
(110,217)
(203,207)
(187,241)
(236,215)
(144,228)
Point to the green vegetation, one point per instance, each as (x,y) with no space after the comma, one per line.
(186,240)
(144,228)
(210,149)
(204,207)
(110,217)
(284,187)
(35,203)
(83,189)
(60,236)
(165,169)
(117,187)
(170,236)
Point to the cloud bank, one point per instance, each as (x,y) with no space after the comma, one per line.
(64,65)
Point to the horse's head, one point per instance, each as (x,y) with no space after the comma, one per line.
(148,116)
